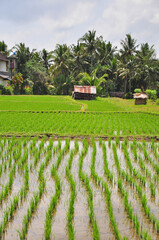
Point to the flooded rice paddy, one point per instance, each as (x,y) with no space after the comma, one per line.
(78,189)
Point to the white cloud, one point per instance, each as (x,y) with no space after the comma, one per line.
(76,14)
(44,23)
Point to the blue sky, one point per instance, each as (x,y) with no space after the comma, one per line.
(44,23)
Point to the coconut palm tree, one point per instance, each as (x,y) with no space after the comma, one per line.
(23,55)
(93,80)
(105,52)
(146,67)
(128,47)
(46,58)
(60,68)
(90,45)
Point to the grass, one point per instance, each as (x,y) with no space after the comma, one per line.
(38,103)
(118,105)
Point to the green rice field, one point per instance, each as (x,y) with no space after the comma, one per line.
(76,123)
(63,116)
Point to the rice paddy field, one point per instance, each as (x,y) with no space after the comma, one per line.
(78,169)
(78,189)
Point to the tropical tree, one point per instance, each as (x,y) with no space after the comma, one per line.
(46,58)
(23,55)
(3,47)
(146,67)
(60,68)
(105,52)
(126,69)
(128,47)
(78,61)
(93,80)
(37,74)
(89,42)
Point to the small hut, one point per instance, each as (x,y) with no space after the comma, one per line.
(84,92)
(140,98)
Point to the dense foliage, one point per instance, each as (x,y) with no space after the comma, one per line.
(92,61)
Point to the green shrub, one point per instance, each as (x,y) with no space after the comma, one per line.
(8,90)
(28,90)
(152,94)
(157,102)
(129,95)
(137,90)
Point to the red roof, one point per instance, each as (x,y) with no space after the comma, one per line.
(85,89)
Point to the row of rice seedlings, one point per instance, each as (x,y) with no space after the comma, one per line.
(8,214)
(32,206)
(50,145)
(4,193)
(143,167)
(128,206)
(133,171)
(13,152)
(152,162)
(140,161)
(33,143)
(129,179)
(134,218)
(10,211)
(8,186)
(85,179)
(109,174)
(1,170)
(154,148)
(23,159)
(128,160)
(58,189)
(70,213)
(41,149)
(61,153)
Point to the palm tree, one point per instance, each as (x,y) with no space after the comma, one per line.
(127,52)
(23,55)
(128,47)
(146,67)
(93,80)
(79,64)
(61,66)
(60,60)
(90,45)
(46,58)
(105,52)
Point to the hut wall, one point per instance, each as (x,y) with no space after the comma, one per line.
(140,101)
(84,96)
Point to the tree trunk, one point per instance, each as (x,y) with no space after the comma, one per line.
(125,85)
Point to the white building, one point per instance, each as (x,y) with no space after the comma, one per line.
(4,74)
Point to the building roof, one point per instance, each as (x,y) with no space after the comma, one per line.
(3,57)
(140,95)
(85,89)
(12,56)
(5,75)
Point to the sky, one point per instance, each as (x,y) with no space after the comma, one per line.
(44,23)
